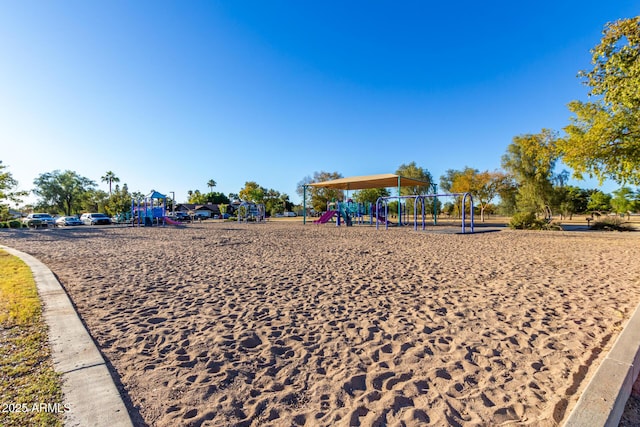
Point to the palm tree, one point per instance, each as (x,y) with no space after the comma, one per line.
(110,177)
(211,184)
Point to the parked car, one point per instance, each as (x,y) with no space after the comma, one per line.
(68,220)
(200,216)
(95,219)
(182,216)
(39,220)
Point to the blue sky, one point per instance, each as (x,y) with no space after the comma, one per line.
(170,94)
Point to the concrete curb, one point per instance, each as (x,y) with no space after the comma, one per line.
(603,400)
(87,385)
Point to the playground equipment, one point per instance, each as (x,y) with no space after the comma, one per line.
(251,211)
(149,210)
(345,212)
(420,200)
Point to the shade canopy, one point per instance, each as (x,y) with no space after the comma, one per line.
(385,180)
(155,195)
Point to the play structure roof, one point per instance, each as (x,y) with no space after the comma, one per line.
(155,195)
(385,180)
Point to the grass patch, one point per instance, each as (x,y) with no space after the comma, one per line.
(29,386)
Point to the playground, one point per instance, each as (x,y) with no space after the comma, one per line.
(287,324)
(412,210)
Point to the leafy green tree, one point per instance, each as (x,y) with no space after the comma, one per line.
(8,192)
(94,201)
(211,183)
(603,138)
(109,178)
(119,202)
(318,197)
(411,170)
(216,198)
(623,200)
(65,191)
(252,192)
(370,195)
(196,197)
(531,159)
(508,195)
(599,201)
(275,202)
(570,200)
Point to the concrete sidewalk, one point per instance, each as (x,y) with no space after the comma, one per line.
(603,401)
(87,385)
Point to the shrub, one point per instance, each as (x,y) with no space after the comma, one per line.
(14,223)
(611,224)
(529,221)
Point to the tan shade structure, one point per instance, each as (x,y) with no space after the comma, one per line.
(384,180)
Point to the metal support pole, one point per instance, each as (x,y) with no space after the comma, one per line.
(399,213)
(304,204)
(435,204)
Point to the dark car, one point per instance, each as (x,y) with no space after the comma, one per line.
(181,216)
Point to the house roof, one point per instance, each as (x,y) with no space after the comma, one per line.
(371,181)
(195,207)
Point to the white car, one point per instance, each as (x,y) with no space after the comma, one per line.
(39,219)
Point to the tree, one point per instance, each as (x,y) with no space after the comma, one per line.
(530,159)
(8,192)
(623,200)
(370,195)
(196,197)
(64,191)
(483,186)
(508,195)
(275,202)
(252,192)
(94,201)
(216,198)
(318,197)
(599,201)
(119,202)
(603,139)
(110,178)
(412,170)
(570,200)
(211,183)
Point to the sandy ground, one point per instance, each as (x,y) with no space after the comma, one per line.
(282,324)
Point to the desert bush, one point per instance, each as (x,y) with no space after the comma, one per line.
(14,223)
(529,221)
(611,224)
(526,221)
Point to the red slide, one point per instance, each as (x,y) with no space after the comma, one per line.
(171,222)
